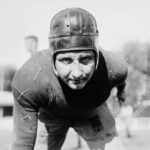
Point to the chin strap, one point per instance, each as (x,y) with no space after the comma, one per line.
(97,60)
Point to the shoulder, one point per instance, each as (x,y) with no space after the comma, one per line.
(35,64)
(116,67)
(33,77)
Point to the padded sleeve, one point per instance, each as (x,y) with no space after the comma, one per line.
(116,67)
(24,124)
(32,82)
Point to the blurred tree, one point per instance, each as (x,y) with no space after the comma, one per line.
(135,86)
(1,77)
(147,92)
(136,55)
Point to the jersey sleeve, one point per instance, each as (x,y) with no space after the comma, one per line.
(116,67)
(25,110)
(24,124)
(30,93)
(31,82)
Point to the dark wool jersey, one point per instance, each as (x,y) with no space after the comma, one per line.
(35,85)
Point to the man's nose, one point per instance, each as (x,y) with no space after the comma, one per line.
(76,71)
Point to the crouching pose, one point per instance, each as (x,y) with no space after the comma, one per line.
(67,86)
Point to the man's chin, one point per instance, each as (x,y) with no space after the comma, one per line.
(76,86)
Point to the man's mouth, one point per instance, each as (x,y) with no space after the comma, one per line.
(78,81)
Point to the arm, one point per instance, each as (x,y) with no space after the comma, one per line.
(30,89)
(25,123)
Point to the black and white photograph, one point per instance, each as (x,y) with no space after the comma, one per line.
(74,75)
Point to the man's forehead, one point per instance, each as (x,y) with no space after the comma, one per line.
(76,53)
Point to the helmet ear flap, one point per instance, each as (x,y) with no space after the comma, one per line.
(53,62)
(97,60)
(55,71)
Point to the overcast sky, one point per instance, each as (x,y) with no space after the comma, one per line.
(118,21)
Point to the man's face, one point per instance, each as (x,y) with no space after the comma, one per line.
(75,68)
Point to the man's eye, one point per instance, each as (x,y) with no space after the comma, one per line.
(66,60)
(85,60)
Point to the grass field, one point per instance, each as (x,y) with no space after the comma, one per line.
(5,140)
(138,141)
